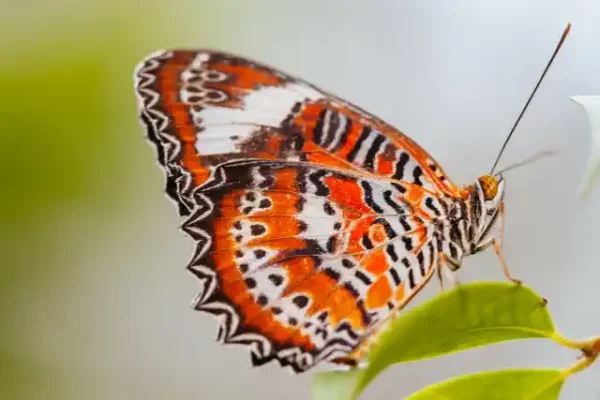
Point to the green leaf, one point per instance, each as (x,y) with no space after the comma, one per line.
(591,104)
(518,384)
(468,316)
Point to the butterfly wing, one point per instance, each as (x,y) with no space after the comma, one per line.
(313,219)
(203,107)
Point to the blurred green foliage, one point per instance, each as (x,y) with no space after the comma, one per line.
(71,148)
(53,141)
(58,152)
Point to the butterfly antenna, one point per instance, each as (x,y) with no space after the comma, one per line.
(529,160)
(562,39)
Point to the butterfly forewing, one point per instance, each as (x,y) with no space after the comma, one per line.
(313,219)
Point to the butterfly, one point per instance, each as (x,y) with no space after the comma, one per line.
(315,222)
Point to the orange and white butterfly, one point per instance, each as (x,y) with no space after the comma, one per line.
(314,220)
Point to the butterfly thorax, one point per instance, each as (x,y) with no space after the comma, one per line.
(470,219)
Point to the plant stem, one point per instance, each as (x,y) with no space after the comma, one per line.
(588,360)
(589,346)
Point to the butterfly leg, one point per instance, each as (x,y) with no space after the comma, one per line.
(498,247)
(504,265)
(445,262)
(440,278)
(501,210)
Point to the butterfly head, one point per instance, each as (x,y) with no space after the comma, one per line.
(490,190)
(488,185)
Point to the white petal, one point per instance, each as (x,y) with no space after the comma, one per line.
(591,104)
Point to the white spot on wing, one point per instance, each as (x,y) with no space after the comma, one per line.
(264,285)
(318,222)
(199,60)
(222,115)
(268,106)
(365,146)
(222,139)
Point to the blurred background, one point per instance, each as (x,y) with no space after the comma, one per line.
(94,298)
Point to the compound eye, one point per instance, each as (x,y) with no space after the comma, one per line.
(489,185)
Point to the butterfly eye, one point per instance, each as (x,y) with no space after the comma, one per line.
(489,185)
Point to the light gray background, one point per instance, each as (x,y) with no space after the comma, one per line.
(451,75)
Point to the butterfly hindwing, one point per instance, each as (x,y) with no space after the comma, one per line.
(292,261)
